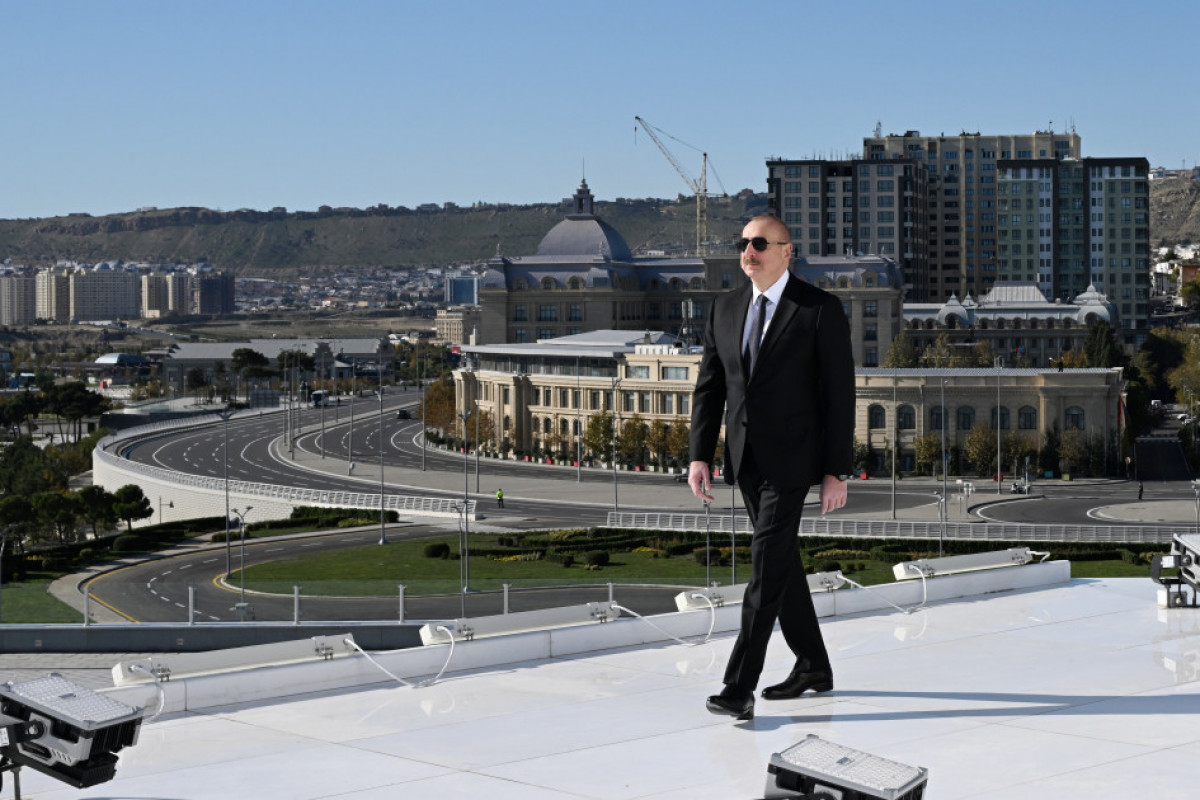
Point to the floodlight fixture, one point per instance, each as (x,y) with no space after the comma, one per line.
(1183,588)
(974,562)
(465,630)
(819,770)
(64,730)
(717,596)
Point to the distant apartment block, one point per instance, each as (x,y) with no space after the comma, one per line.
(103,294)
(1078,223)
(165,294)
(844,208)
(458,325)
(18,299)
(213,293)
(963,253)
(53,298)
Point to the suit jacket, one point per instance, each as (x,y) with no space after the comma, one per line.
(796,411)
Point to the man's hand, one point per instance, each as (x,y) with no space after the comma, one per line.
(700,480)
(833,494)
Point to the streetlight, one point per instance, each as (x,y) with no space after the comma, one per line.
(466,545)
(578,425)
(382,512)
(241,515)
(350,443)
(225,415)
(945,465)
(999,366)
(421,386)
(895,426)
(170,504)
(615,383)
(477,416)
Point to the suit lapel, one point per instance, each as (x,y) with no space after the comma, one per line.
(737,323)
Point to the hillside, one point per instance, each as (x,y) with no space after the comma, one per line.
(268,242)
(1174,211)
(277,242)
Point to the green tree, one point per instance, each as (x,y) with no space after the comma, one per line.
(58,511)
(439,404)
(1072,451)
(940,354)
(678,441)
(96,508)
(979,446)
(1102,348)
(129,504)
(900,354)
(656,440)
(928,452)
(597,436)
(631,440)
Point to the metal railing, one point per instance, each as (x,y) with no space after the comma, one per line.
(890,529)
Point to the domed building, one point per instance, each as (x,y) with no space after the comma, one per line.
(584,277)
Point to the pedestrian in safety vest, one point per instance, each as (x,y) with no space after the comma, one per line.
(500,498)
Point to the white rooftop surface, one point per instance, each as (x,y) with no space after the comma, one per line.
(1083,689)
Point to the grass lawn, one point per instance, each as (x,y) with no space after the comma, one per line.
(30,603)
(372,570)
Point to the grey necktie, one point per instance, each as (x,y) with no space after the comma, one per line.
(750,355)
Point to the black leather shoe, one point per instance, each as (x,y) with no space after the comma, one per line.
(797,684)
(733,702)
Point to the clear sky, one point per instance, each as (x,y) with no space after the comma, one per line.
(110,106)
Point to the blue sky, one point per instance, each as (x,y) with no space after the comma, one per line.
(110,106)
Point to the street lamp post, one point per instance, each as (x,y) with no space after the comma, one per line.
(170,504)
(466,551)
(999,366)
(945,466)
(382,511)
(895,428)
(616,504)
(578,425)
(350,441)
(225,415)
(241,515)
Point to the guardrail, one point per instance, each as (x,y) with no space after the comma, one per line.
(104,452)
(893,529)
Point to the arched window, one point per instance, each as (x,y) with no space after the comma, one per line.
(1075,418)
(654,284)
(520,285)
(876,417)
(966,418)
(546,425)
(907,418)
(1027,418)
(575,283)
(937,418)
(697,283)
(547,283)
(869,279)
(1003,418)
(563,427)
(676,285)
(507,422)
(843,282)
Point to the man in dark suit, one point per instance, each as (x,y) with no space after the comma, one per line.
(778,368)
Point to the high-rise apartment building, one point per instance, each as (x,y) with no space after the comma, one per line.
(1078,224)
(213,293)
(104,294)
(53,301)
(839,208)
(18,299)
(166,294)
(963,252)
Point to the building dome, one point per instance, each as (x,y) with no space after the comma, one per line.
(582,233)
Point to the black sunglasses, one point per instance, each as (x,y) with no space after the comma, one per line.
(759,243)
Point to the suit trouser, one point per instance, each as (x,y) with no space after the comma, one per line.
(778,587)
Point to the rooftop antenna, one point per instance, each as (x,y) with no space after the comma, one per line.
(879,129)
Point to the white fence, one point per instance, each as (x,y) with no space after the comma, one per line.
(189,495)
(891,529)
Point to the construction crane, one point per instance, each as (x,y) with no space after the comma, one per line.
(698,187)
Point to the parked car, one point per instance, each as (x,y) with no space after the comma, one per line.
(1020,487)
(404,413)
